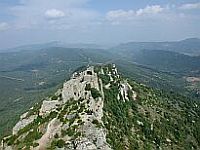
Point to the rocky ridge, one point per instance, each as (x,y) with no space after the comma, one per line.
(71,119)
(99,109)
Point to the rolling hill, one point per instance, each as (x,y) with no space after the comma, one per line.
(28,76)
(188,46)
(100,109)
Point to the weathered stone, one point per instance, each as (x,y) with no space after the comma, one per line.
(93,136)
(22,123)
(48,106)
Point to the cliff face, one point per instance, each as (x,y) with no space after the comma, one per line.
(99,109)
(71,119)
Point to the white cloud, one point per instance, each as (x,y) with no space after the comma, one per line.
(54,14)
(3,26)
(190,6)
(131,14)
(119,14)
(48,14)
(154,9)
(83,22)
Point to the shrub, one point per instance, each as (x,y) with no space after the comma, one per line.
(12,139)
(105,78)
(79,121)
(56,135)
(78,134)
(97,123)
(63,133)
(57,143)
(32,135)
(88,87)
(95,93)
(70,131)
(60,143)
(54,97)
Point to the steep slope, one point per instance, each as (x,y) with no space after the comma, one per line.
(70,119)
(161,60)
(139,117)
(167,61)
(171,64)
(99,109)
(33,72)
(40,72)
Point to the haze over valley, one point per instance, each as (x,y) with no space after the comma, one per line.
(91,74)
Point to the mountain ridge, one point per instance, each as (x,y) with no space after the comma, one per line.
(99,109)
(190,46)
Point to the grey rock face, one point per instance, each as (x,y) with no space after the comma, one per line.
(86,123)
(22,123)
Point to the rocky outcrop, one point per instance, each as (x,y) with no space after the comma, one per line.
(72,119)
(22,123)
(104,112)
(48,106)
(75,88)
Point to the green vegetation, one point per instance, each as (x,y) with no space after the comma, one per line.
(33,132)
(105,78)
(88,87)
(32,136)
(56,97)
(167,81)
(157,119)
(97,123)
(71,131)
(80,69)
(95,93)
(60,143)
(42,71)
(57,143)
(35,109)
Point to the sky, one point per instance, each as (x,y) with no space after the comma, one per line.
(24,22)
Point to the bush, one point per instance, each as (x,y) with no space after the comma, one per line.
(32,135)
(56,135)
(70,131)
(105,78)
(88,87)
(60,143)
(95,93)
(63,133)
(97,123)
(12,139)
(54,97)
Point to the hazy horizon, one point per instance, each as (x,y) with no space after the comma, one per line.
(24,22)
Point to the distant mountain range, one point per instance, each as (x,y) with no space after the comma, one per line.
(98,109)
(188,46)
(177,57)
(47,45)
(167,61)
(30,73)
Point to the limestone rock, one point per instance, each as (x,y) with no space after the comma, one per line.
(22,123)
(82,117)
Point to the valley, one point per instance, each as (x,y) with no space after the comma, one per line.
(27,77)
(99,75)
(100,109)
